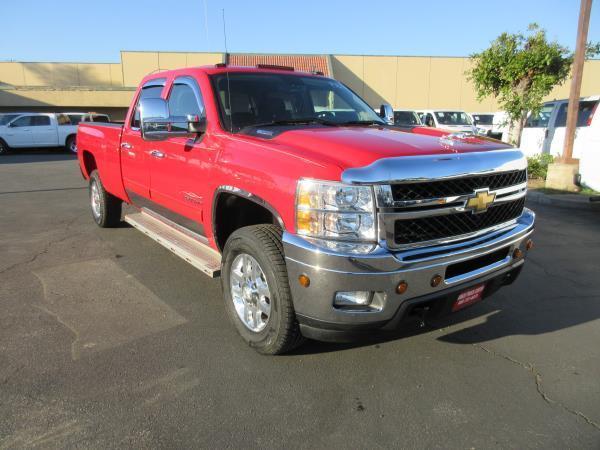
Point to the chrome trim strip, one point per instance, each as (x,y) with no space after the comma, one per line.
(409,169)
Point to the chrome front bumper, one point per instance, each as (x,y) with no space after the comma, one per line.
(381,270)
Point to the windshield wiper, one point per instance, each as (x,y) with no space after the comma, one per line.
(361,122)
(298,121)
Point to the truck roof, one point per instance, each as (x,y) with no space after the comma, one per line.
(223,68)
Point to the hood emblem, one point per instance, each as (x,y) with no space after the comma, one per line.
(480,201)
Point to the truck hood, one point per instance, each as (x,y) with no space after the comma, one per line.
(357,146)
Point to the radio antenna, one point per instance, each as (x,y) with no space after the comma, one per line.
(227,74)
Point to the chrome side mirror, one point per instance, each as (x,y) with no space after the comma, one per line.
(158,125)
(386,112)
(154,118)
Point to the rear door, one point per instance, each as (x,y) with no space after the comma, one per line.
(135,164)
(19,133)
(535,134)
(583,133)
(177,164)
(45,133)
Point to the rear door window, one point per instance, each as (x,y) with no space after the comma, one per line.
(586,109)
(541,119)
(40,121)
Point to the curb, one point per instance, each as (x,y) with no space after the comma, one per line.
(563,201)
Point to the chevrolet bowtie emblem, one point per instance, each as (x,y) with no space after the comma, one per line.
(480,201)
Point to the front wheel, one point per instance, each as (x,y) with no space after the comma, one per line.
(71,144)
(257,292)
(3,148)
(106,208)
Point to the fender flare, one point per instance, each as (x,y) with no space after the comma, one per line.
(246,195)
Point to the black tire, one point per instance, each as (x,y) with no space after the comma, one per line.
(108,213)
(263,242)
(4,148)
(71,144)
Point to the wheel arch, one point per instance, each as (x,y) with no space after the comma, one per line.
(230,196)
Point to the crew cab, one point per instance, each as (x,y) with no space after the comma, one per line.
(451,121)
(24,130)
(322,220)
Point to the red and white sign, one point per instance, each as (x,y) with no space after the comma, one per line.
(468,297)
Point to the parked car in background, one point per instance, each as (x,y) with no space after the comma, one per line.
(483,121)
(37,130)
(453,121)
(76,117)
(544,132)
(404,118)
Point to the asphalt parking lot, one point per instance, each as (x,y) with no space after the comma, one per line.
(107,340)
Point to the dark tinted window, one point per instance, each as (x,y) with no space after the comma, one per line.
(5,118)
(405,118)
(101,118)
(249,99)
(428,120)
(483,119)
(586,108)
(24,121)
(75,118)
(540,119)
(40,121)
(153,89)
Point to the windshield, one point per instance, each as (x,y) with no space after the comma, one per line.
(271,98)
(406,118)
(483,119)
(5,118)
(452,118)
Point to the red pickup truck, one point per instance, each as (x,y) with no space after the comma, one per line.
(322,220)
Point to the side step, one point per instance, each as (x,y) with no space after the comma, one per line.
(196,253)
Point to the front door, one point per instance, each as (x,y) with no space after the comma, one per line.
(19,132)
(177,163)
(135,160)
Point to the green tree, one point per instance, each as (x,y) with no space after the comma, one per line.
(519,70)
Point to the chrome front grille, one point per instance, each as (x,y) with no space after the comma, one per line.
(457,186)
(431,228)
(424,213)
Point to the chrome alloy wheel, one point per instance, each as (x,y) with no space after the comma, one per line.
(250,292)
(95,199)
(73,146)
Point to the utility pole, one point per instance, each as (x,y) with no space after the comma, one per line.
(562,173)
(582,32)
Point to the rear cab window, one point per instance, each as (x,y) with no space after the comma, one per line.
(584,114)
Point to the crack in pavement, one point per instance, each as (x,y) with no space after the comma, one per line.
(46,249)
(538,384)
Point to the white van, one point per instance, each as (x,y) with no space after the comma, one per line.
(448,120)
(545,133)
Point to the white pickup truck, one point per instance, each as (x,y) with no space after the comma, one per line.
(22,130)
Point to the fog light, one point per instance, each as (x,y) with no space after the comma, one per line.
(304,280)
(517,253)
(436,280)
(402,287)
(356,298)
(529,244)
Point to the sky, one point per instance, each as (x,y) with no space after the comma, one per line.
(96,31)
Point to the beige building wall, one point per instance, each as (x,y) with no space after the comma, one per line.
(404,82)
(429,82)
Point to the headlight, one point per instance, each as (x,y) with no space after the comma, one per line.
(326,209)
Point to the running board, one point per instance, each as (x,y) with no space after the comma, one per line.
(196,253)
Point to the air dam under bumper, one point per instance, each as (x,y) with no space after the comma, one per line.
(486,258)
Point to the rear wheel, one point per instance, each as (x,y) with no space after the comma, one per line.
(257,292)
(71,144)
(3,148)
(106,208)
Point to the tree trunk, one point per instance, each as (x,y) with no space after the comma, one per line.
(516,129)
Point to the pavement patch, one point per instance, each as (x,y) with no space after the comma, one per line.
(102,305)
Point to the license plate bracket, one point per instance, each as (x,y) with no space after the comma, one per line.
(468,297)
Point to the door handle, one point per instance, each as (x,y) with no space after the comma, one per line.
(157,154)
(126,145)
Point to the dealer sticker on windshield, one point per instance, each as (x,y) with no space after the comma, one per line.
(468,297)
